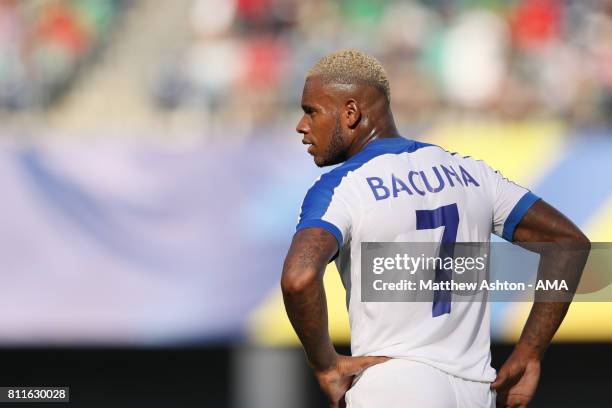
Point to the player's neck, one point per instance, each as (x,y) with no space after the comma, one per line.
(375,132)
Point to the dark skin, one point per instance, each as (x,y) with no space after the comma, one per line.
(562,257)
(339,120)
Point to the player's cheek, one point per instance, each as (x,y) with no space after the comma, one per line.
(320,133)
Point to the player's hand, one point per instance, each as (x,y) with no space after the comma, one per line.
(337,380)
(517,380)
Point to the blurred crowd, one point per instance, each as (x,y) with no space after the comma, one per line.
(44,44)
(494,58)
(245,60)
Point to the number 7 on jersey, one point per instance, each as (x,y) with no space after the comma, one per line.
(448,217)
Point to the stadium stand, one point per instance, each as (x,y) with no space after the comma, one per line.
(44,44)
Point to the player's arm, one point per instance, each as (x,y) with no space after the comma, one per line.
(306,305)
(563,256)
(304,294)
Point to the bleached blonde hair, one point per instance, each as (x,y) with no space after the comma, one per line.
(352,66)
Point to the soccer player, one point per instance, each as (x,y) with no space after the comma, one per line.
(392,189)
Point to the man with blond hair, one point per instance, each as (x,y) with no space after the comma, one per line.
(392,189)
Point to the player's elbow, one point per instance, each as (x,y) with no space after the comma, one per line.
(296,280)
(574,239)
(583,241)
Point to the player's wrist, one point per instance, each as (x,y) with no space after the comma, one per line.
(325,363)
(529,351)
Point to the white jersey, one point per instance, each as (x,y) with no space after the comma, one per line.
(374,197)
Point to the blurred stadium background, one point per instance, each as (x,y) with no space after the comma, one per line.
(151,177)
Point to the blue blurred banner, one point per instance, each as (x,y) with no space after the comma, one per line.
(143,243)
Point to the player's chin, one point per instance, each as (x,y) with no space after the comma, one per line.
(320,160)
(324,161)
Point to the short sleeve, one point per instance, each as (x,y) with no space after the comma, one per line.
(510,203)
(325,206)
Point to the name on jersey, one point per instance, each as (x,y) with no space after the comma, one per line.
(421,182)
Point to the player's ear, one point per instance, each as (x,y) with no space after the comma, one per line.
(352,113)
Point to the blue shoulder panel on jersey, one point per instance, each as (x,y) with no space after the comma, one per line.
(517,213)
(319,196)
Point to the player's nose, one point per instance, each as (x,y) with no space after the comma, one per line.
(302,126)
